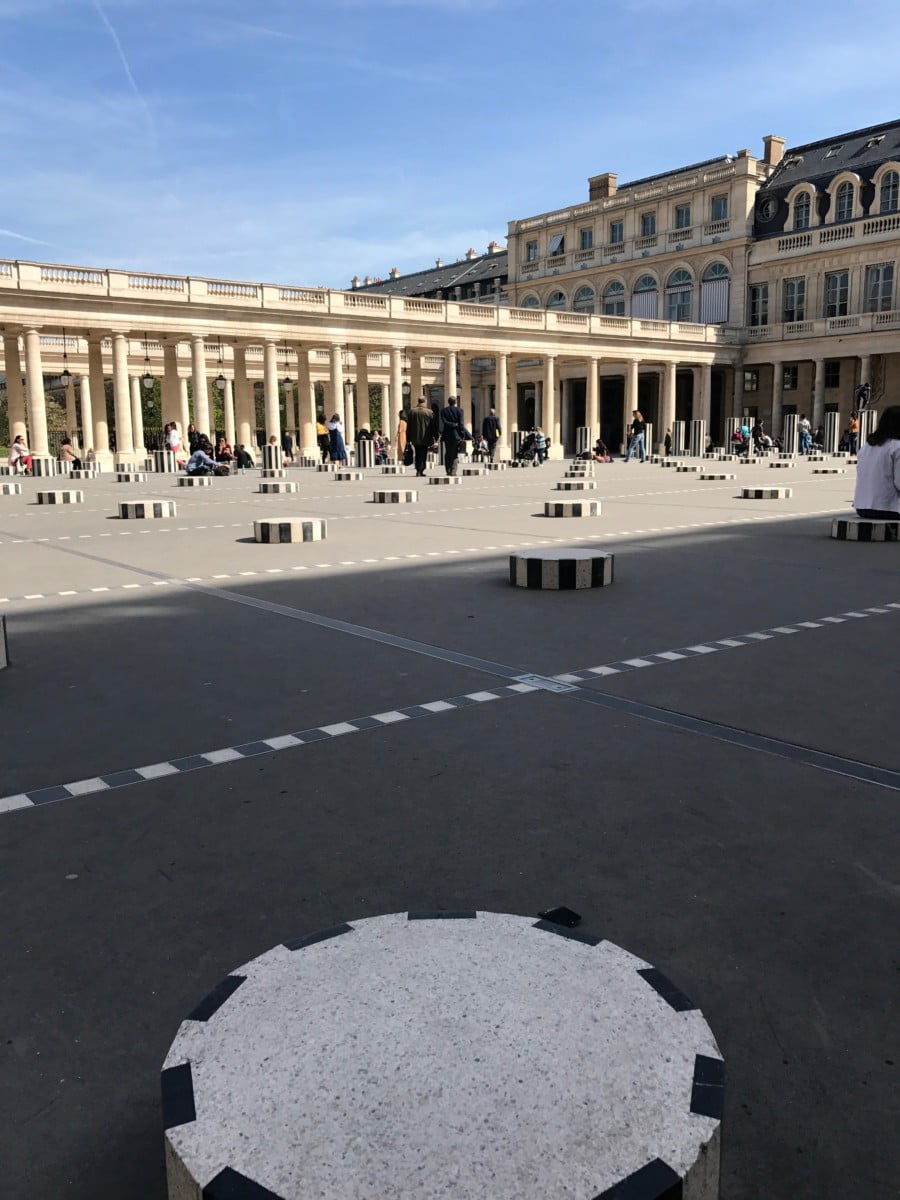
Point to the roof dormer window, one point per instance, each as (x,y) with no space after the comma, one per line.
(834,151)
(874,141)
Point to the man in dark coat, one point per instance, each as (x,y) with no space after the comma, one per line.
(453,433)
(420,433)
(490,431)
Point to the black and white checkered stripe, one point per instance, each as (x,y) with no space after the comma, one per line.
(350,476)
(860,530)
(42,466)
(147,510)
(397,470)
(576,485)
(444,479)
(561,574)
(766,493)
(67,497)
(829,470)
(717,475)
(273,473)
(131,477)
(277,487)
(194,481)
(10,489)
(572,508)
(291,529)
(380,497)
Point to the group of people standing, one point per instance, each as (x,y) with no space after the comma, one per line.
(426,427)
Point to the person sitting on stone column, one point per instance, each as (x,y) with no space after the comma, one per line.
(243,458)
(67,454)
(20,456)
(223,452)
(877,495)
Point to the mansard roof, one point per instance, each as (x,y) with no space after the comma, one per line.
(450,275)
(861,151)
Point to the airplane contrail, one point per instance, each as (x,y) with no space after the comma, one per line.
(22,237)
(126,66)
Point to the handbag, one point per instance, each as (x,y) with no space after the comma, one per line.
(408,456)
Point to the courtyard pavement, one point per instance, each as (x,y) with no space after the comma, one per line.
(212,746)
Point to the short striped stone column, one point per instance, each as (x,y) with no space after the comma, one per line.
(576,485)
(10,489)
(562,569)
(397,470)
(517,437)
(194,481)
(164,462)
(829,471)
(350,476)
(678,432)
(80,473)
(307,460)
(365,453)
(689,467)
(281,530)
(131,477)
(697,438)
(272,457)
(42,466)
(832,432)
(474,470)
(781,464)
(766,493)
(326,467)
(277,487)
(394,497)
(60,497)
(865,529)
(571,508)
(495,466)
(146,510)
(273,473)
(707,475)
(444,480)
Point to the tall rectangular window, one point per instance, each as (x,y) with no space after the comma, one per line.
(718,208)
(648,224)
(832,372)
(682,216)
(531,251)
(879,287)
(616,232)
(759,304)
(790,377)
(837,293)
(587,239)
(751,381)
(794,300)
(556,245)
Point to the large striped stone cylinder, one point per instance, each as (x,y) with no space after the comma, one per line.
(732,426)
(42,466)
(576,485)
(868,420)
(194,481)
(863,529)
(678,435)
(164,462)
(365,453)
(272,457)
(391,497)
(350,476)
(790,434)
(697,438)
(10,489)
(63,468)
(146,510)
(560,569)
(290,529)
(766,493)
(277,487)
(571,508)
(832,432)
(62,497)
(444,480)
(474,470)
(131,477)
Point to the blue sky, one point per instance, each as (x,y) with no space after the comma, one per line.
(304,141)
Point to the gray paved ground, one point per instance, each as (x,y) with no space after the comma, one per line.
(764,885)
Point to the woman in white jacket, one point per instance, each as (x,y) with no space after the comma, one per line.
(877,495)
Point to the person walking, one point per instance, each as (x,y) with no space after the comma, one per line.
(420,433)
(877,495)
(491,431)
(454,434)
(805,434)
(636,441)
(401,437)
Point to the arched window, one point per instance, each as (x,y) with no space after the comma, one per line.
(584,300)
(614,299)
(556,300)
(679,289)
(715,288)
(843,202)
(890,192)
(802,211)
(531,302)
(644,300)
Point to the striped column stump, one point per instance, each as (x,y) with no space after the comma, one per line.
(365,453)
(395,470)
(146,510)
(131,477)
(164,462)
(326,466)
(10,489)
(443,480)
(786,454)
(712,453)
(146,464)
(517,462)
(273,473)
(576,485)
(578,475)
(277,487)
(66,497)
(747,462)
(672,463)
(194,481)
(829,471)
(82,474)
(766,493)
(815,457)
(728,457)
(688,467)
(350,476)
(473,470)
(706,475)
(124,468)
(626,1102)
(560,568)
(394,497)
(290,529)
(307,460)
(63,468)
(864,529)
(781,464)
(6,469)
(841,454)
(496,466)
(571,508)
(42,466)
(272,457)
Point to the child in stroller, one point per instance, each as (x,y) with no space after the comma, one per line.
(528,449)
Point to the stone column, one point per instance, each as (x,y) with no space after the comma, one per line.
(415,375)
(228,407)
(630,402)
(98,399)
(777,385)
(667,408)
(71,411)
(832,432)
(137,417)
(592,400)
(337,384)
(363,412)
(34,394)
(87,413)
(513,406)
(817,415)
(349,413)
(389,416)
(169,396)
(865,368)
(502,365)
(184,407)
(565,410)
(122,399)
(270,391)
(306,402)
(737,393)
(704,412)
(15,393)
(451,363)
(548,398)
(245,418)
(201,388)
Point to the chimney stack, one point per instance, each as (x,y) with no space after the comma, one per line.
(438,262)
(395,273)
(773,149)
(493,248)
(471,253)
(354,282)
(601,187)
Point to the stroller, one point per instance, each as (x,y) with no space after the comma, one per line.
(528,450)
